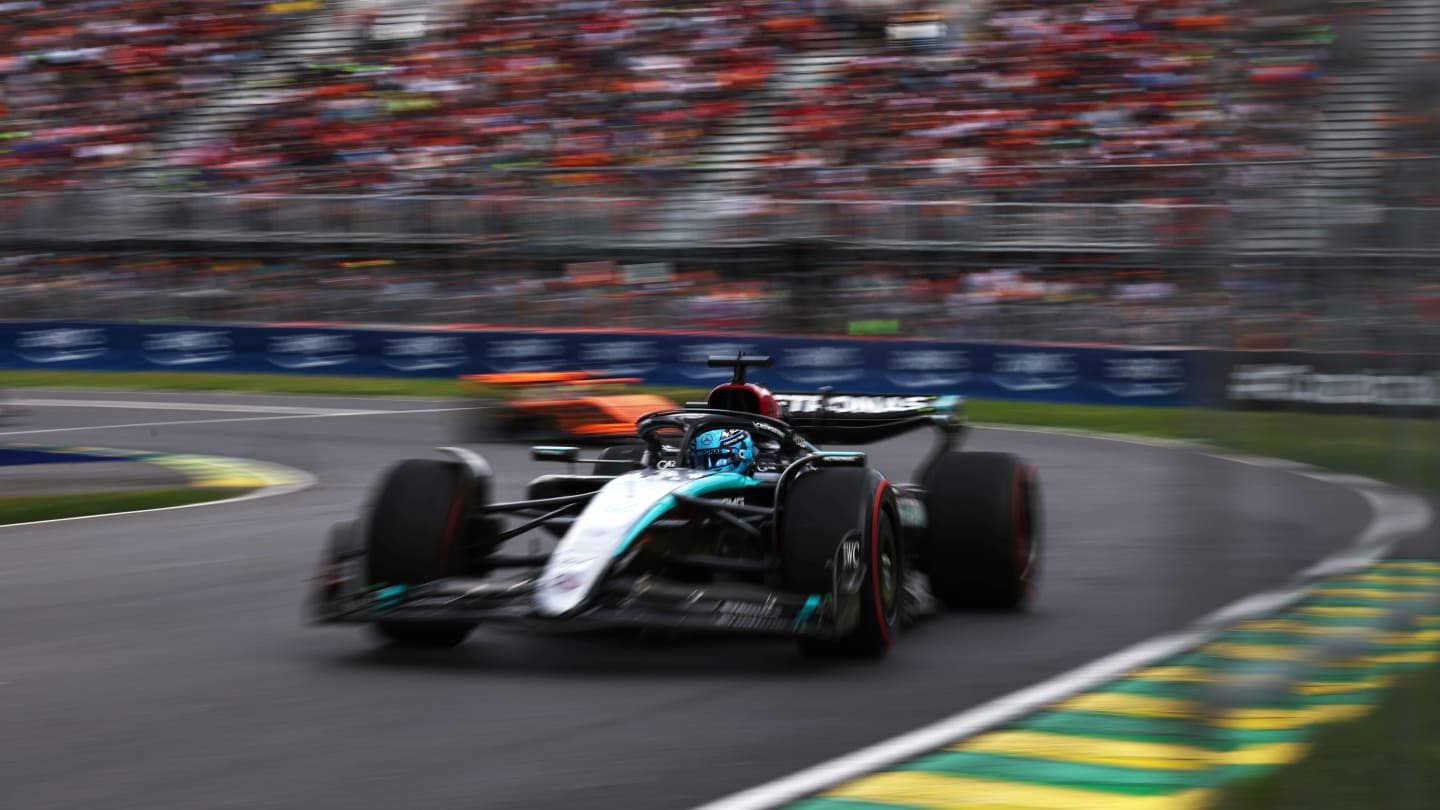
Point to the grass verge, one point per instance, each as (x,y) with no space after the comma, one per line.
(1401,451)
(26,508)
(1390,759)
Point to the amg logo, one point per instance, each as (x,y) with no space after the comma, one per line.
(853,403)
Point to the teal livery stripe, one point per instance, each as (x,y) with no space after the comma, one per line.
(699,487)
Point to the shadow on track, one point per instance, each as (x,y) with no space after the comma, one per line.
(630,653)
(593,655)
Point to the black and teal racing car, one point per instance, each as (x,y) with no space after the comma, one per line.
(810,543)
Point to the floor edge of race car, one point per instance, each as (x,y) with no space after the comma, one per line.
(1168,722)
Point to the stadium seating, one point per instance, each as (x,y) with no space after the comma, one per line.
(86,88)
(1147,82)
(576,87)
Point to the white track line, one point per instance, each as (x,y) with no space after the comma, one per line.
(1395,514)
(306,480)
(143,405)
(180,422)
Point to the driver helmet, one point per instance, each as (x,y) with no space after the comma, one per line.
(726,450)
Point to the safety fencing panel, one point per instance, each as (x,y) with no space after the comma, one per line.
(1041,372)
(1332,382)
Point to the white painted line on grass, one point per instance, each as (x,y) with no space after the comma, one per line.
(1346,480)
(153,405)
(183,422)
(1395,513)
(1082,433)
(220,394)
(1267,463)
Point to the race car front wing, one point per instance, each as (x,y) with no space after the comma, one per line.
(640,602)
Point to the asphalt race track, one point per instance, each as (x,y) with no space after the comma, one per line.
(159,661)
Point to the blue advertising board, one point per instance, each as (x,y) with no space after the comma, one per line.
(1041,372)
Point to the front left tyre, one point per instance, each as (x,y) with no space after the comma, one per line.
(415,534)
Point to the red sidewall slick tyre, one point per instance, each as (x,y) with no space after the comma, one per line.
(822,508)
(983,541)
(414,537)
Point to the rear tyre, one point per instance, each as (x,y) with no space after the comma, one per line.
(485,421)
(982,547)
(619,459)
(414,536)
(821,510)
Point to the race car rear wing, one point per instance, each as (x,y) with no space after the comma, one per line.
(836,418)
(843,418)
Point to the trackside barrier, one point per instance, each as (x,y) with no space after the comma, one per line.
(1043,372)
(1388,384)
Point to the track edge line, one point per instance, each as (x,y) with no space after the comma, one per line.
(1380,534)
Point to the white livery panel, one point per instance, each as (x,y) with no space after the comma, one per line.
(602,530)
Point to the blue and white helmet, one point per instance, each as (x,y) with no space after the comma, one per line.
(728,450)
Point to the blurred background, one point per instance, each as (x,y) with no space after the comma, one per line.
(1163,172)
(1223,174)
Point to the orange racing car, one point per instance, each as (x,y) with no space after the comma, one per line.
(577,405)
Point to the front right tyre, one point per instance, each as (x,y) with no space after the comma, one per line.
(982,544)
(824,509)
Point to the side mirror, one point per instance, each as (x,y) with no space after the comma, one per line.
(568,455)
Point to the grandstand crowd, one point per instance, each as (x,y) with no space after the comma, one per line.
(583,86)
(88,87)
(1023,100)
